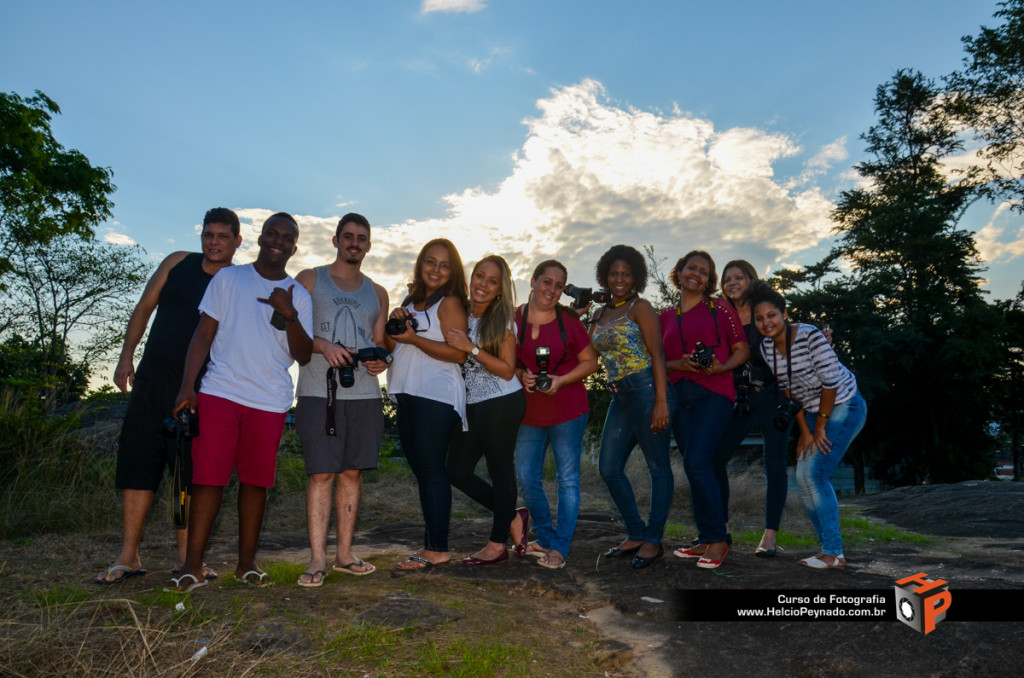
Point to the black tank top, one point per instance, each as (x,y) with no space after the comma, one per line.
(177,315)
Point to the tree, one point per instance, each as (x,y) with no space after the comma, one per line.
(67,304)
(910,317)
(65,297)
(45,189)
(988,95)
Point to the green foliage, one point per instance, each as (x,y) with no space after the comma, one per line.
(988,95)
(45,189)
(58,595)
(50,479)
(909,318)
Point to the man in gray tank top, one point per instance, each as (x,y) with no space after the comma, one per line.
(339,416)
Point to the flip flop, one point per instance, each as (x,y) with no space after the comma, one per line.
(188,589)
(128,572)
(210,573)
(313,581)
(256,578)
(426,564)
(347,569)
(547,562)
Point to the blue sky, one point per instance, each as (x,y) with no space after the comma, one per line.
(530,129)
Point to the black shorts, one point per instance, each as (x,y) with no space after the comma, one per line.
(143,452)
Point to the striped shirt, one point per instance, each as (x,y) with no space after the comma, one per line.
(815,366)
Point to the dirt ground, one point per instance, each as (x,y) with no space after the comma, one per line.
(599,616)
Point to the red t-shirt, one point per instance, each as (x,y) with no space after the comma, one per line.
(698,325)
(570,401)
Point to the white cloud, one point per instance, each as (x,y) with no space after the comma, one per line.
(478,65)
(992,245)
(451,6)
(591,174)
(829,155)
(115,238)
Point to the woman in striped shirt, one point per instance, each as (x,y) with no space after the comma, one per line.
(832,414)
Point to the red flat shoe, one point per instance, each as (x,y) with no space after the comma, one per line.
(473,560)
(709,564)
(691,552)
(523,514)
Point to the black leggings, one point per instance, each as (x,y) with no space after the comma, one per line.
(425,428)
(493,426)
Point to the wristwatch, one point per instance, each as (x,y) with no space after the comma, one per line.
(475,352)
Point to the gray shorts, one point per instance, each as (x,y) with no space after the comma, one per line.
(360,427)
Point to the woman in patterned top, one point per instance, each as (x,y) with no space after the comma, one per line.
(704,342)
(627,336)
(832,415)
(495,405)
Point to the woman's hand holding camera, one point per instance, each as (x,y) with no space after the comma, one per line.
(409,333)
(684,364)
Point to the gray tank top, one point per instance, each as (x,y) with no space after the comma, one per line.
(345,318)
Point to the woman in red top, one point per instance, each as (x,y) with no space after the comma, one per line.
(703,342)
(554,356)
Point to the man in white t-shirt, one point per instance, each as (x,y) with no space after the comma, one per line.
(255,322)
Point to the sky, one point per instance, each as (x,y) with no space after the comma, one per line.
(528,129)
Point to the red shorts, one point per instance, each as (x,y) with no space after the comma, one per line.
(235,436)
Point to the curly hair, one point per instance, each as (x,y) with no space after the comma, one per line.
(760,292)
(631,257)
(709,290)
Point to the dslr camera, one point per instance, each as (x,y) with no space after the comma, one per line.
(581,296)
(704,355)
(785,412)
(184,425)
(347,373)
(395,326)
(543,357)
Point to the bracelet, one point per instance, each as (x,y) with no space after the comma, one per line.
(823,415)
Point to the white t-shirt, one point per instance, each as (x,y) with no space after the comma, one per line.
(249,359)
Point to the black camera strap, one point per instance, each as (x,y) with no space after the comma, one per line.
(561,333)
(179,484)
(714,319)
(332,393)
(789,364)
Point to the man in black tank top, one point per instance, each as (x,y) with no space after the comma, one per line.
(174,292)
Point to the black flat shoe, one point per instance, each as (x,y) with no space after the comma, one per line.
(762,552)
(640,563)
(622,553)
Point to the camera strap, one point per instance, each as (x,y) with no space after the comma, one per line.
(561,333)
(789,364)
(179,485)
(332,393)
(714,320)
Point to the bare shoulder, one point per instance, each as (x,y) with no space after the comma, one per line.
(307,278)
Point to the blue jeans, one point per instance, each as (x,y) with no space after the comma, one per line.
(425,428)
(629,424)
(763,405)
(700,419)
(814,472)
(566,441)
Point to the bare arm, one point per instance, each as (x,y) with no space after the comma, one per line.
(650,329)
(452,317)
(300,346)
(502,365)
(375,367)
(198,349)
(587,365)
(124,373)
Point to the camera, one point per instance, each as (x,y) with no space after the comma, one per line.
(785,412)
(543,358)
(741,407)
(704,355)
(582,296)
(347,373)
(184,425)
(396,326)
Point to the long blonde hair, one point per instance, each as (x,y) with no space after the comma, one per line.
(498,317)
